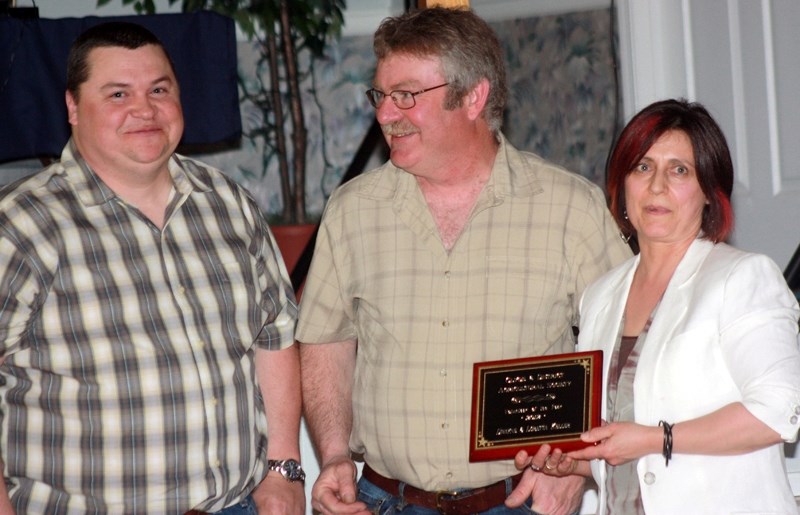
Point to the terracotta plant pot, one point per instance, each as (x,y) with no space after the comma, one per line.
(292,241)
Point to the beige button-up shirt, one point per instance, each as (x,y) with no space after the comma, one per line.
(423,316)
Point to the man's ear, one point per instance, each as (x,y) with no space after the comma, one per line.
(477,98)
(72,108)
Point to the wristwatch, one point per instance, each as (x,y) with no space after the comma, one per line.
(289,469)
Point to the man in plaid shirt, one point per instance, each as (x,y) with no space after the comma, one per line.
(146,319)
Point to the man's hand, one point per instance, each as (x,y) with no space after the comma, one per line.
(335,490)
(551,495)
(552,462)
(5,502)
(276,496)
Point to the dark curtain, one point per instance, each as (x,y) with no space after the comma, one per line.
(33,63)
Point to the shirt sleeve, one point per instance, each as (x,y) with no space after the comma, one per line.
(325,314)
(759,339)
(277,294)
(600,247)
(20,292)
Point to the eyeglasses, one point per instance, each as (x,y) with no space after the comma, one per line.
(402,99)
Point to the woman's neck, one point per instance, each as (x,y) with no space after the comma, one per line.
(657,264)
(658,261)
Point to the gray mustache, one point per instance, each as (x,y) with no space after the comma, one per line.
(393,129)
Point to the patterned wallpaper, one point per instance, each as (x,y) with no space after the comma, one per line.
(562,104)
(563,89)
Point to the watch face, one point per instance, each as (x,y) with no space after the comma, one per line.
(290,469)
(293,471)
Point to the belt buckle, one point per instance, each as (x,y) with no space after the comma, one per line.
(444,493)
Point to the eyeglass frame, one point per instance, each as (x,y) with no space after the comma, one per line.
(411,94)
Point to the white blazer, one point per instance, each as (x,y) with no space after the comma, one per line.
(726,331)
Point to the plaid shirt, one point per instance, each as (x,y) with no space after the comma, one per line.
(422,316)
(129,381)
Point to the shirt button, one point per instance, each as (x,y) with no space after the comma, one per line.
(445,425)
(447,274)
(449,475)
(793,420)
(797,410)
(445,323)
(443,372)
(649,478)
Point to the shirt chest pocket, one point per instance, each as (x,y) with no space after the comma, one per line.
(527,297)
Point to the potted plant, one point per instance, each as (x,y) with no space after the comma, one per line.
(283,29)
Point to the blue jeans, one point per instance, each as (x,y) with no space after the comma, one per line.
(381,502)
(244,507)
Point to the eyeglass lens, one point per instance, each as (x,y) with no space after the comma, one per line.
(403,99)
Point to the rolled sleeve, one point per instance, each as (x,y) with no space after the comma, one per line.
(277,299)
(324,314)
(759,336)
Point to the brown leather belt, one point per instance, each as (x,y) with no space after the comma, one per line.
(448,502)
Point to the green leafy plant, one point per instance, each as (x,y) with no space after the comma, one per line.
(283,29)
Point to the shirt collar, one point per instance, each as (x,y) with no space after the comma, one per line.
(92,191)
(512,176)
(511,172)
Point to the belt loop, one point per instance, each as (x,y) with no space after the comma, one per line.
(509,485)
(401,486)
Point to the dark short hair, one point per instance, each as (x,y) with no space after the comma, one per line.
(467,46)
(711,155)
(109,34)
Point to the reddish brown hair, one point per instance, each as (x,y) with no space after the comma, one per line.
(711,154)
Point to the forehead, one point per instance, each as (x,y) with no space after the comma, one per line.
(398,69)
(674,141)
(109,60)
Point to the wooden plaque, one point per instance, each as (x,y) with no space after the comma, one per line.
(523,403)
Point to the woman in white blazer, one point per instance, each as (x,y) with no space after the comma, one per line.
(700,340)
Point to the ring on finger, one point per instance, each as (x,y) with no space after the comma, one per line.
(547,464)
(535,467)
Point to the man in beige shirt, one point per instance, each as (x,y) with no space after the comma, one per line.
(462,249)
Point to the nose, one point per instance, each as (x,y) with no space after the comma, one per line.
(143,107)
(658,181)
(387,112)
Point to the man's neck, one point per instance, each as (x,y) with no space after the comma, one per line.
(451,199)
(147,192)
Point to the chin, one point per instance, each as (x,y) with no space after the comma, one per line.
(399,160)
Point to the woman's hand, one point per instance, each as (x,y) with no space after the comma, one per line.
(620,442)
